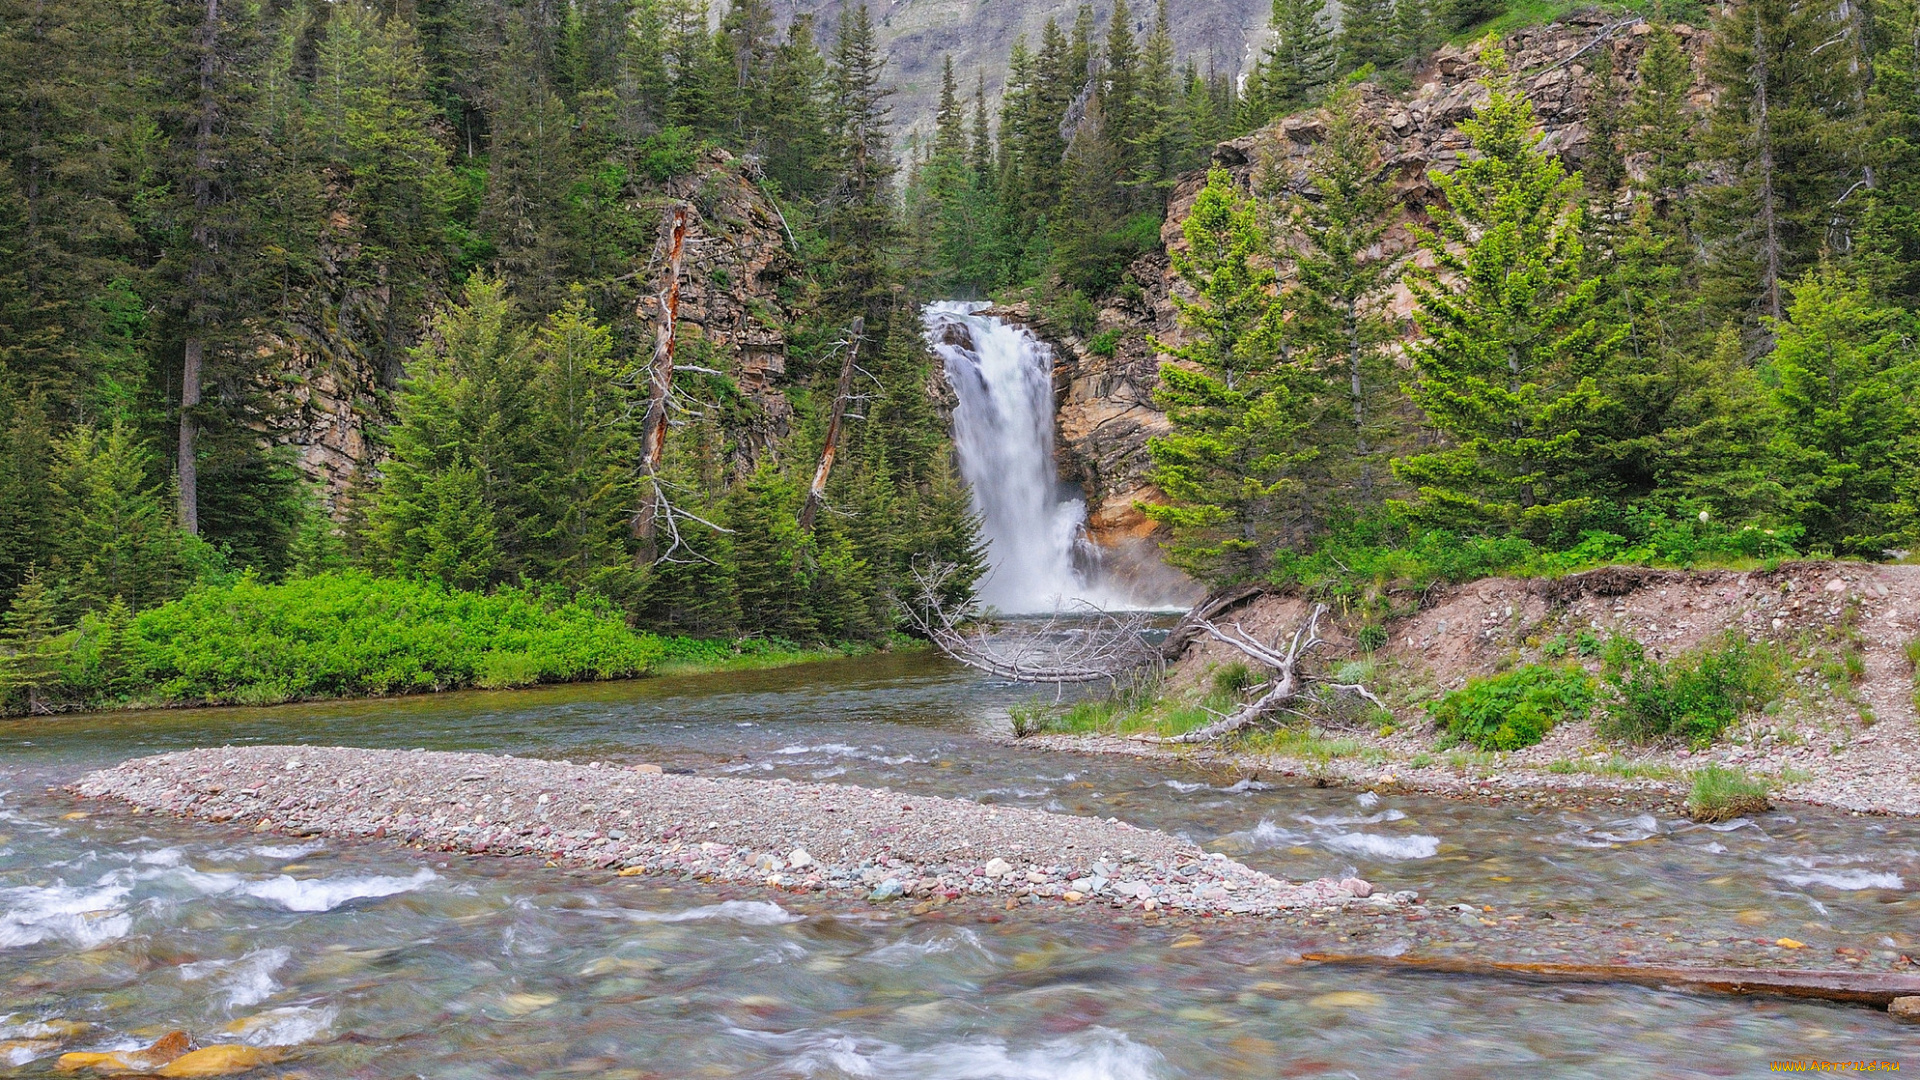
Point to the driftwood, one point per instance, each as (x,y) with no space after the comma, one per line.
(1078,644)
(653,429)
(1858,987)
(1287,683)
(817,492)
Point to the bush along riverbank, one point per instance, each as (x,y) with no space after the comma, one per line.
(343,634)
(1710,693)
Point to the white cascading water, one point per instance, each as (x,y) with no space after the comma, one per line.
(1034,525)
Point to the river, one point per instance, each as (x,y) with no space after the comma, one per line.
(372,960)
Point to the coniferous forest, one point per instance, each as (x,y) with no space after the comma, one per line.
(1701,344)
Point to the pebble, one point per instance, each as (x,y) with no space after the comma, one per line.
(870,843)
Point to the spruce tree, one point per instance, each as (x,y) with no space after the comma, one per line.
(1510,343)
(1119,89)
(1782,123)
(1300,61)
(1344,288)
(115,537)
(31,649)
(1847,368)
(772,577)
(581,447)
(1890,224)
(1158,137)
(860,223)
(1229,467)
(1366,35)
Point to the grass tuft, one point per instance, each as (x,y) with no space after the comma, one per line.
(1722,794)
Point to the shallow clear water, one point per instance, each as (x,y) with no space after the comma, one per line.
(374,961)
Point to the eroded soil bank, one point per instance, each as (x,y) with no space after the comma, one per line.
(1843,731)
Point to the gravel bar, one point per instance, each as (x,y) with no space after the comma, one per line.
(880,844)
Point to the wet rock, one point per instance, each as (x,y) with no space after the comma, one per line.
(889,889)
(1357,886)
(168,1047)
(1906,1008)
(221,1060)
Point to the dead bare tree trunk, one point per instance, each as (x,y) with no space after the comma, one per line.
(187,467)
(653,429)
(818,491)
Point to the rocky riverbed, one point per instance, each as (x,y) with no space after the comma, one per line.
(879,844)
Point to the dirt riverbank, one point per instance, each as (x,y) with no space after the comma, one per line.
(1843,731)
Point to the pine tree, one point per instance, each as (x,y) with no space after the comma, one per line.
(1782,122)
(1658,124)
(1238,409)
(31,649)
(1300,61)
(1847,370)
(1366,35)
(581,449)
(772,577)
(860,224)
(1510,343)
(115,537)
(1158,139)
(1344,288)
(530,171)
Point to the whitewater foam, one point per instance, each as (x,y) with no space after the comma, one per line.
(746,912)
(1384,847)
(82,916)
(1846,880)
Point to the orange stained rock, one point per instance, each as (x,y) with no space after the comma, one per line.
(121,1062)
(221,1060)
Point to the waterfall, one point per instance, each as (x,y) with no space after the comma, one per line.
(1034,525)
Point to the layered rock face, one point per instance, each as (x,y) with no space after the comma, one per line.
(329,393)
(1104,381)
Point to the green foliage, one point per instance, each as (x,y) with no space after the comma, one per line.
(31,650)
(1722,794)
(1846,370)
(348,634)
(1693,696)
(1515,708)
(1511,346)
(1238,407)
(1105,343)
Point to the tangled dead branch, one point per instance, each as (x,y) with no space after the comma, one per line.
(1288,681)
(1089,644)
(1075,644)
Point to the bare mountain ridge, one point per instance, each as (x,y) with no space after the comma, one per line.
(978,34)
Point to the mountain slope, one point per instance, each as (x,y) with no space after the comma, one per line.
(978,34)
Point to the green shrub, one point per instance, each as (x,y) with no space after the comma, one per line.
(673,152)
(1722,794)
(1105,343)
(348,634)
(1371,637)
(1694,696)
(1515,708)
(1232,680)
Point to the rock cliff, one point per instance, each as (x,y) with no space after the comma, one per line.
(330,394)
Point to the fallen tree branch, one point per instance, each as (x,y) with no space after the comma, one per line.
(1864,988)
(1078,644)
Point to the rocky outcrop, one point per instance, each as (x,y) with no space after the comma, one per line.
(731,315)
(329,394)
